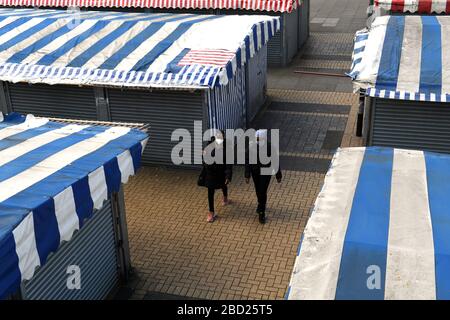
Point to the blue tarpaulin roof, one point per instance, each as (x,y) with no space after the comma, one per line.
(52,177)
(404,57)
(128,49)
(380,229)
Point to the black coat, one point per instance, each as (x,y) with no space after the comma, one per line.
(254,169)
(215,174)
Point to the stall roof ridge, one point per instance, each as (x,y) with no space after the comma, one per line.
(140,50)
(253,5)
(415,6)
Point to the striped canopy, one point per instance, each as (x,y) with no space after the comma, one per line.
(415,6)
(52,177)
(379,229)
(127,49)
(262,5)
(404,57)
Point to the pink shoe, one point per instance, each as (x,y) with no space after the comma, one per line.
(211,217)
(226,202)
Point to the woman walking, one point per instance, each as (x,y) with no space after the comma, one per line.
(216,175)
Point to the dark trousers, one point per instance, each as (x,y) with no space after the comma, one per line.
(211,192)
(261,185)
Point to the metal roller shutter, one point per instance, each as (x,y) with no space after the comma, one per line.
(303,23)
(284,45)
(291,30)
(165,111)
(256,83)
(411,125)
(94,250)
(274,50)
(53,101)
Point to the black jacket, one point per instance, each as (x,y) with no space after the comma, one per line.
(255,169)
(215,174)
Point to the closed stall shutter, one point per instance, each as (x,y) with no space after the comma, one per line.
(303,23)
(291,30)
(275,50)
(93,250)
(256,83)
(53,101)
(411,125)
(165,111)
(284,45)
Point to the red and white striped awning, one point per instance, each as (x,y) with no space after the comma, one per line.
(415,6)
(261,5)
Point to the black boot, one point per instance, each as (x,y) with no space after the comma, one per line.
(262,217)
(258,209)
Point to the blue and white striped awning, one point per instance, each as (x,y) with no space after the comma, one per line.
(404,57)
(380,229)
(52,177)
(127,49)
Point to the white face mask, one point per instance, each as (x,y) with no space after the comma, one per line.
(219,141)
(261,137)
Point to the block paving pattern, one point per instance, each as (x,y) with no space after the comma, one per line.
(335,44)
(174,251)
(319,97)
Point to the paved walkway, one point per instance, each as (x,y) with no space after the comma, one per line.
(174,251)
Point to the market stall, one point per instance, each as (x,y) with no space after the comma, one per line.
(379,229)
(293,15)
(402,64)
(165,69)
(294,32)
(63,230)
(414,6)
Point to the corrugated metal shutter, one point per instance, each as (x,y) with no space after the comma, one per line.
(284,45)
(291,30)
(256,82)
(303,23)
(411,125)
(93,249)
(275,50)
(53,101)
(165,111)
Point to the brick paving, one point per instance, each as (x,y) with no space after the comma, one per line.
(174,251)
(335,44)
(319,97)
(321,64)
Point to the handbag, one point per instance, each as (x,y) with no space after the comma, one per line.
(201,178)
